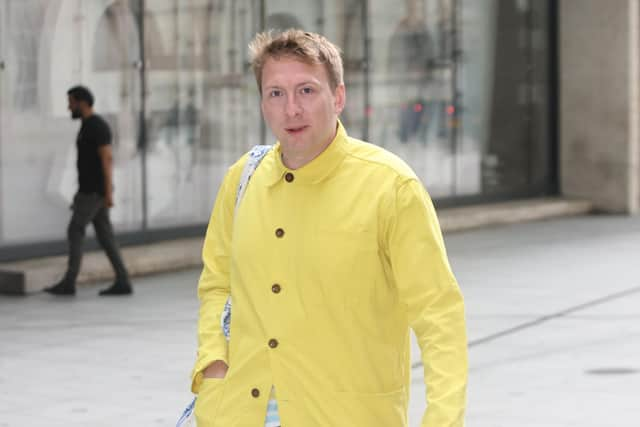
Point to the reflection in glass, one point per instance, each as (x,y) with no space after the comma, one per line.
(410,61)
(457,88)
(502,69)
(282,21)
(24,42)
(413,110)
(202,108)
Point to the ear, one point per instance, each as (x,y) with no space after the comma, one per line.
(340,97)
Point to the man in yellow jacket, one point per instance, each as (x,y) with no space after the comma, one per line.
(333,253)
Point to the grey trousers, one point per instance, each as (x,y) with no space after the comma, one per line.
(90,208)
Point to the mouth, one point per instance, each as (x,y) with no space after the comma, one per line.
(296,130)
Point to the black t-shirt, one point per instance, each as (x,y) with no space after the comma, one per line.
(93,134)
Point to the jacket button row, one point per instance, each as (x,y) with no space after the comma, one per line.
(279,233)
(273,343)
(276,289)
(255,393)
(289,177)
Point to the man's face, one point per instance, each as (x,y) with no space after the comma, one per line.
(299,105)
(74,107)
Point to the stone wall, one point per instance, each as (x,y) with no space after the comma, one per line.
(599,51)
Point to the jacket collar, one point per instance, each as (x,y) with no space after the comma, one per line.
(316,170)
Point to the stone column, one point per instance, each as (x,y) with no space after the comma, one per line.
(599,94)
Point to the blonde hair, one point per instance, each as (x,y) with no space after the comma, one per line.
(310,48)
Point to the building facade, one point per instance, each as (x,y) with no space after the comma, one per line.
(463,90)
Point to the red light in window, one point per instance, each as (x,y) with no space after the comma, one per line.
(417,108)
(451,110)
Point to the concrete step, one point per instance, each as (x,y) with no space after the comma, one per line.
(33,275)
(465,218)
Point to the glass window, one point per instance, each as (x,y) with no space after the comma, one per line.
(202,109)
(503,89)
(412,72)
(48,47)
(3,117)
(457,88)
(29,135)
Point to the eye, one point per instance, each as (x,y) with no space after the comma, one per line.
(274,93)
(307,90)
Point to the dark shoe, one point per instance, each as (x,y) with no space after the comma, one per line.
(117,289)
(61,288)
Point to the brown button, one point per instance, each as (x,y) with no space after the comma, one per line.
(289,177)
(279,232)
(273,343)
(255,392)
(276,289)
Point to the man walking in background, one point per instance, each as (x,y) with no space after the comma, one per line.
(94,197)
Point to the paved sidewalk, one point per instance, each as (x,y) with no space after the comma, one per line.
(33,275)
(553,342)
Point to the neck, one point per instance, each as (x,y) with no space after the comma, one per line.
(295,160)
(87,113)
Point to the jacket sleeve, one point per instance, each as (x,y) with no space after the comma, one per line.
(214,286)
(433,300)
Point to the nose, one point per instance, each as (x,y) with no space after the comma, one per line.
(293,107)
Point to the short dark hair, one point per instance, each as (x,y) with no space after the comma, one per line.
(81,93)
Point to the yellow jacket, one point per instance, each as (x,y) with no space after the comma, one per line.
(328,267)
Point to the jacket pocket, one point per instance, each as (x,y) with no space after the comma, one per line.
(208,401)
